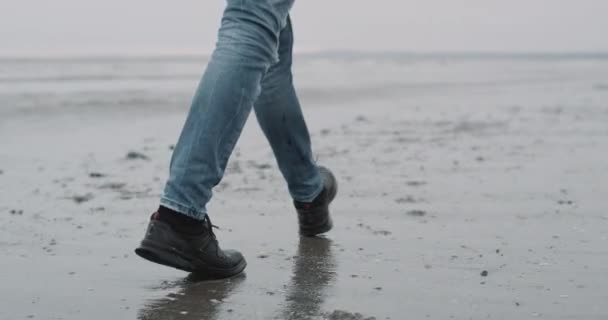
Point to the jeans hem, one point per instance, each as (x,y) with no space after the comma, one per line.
(313,196)
(185,210)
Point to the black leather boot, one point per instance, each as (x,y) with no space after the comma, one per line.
(199,254)
(314,217)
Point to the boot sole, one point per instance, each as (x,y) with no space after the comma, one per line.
(170,257)
(311,232)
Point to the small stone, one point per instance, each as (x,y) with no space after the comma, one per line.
(517,304)
(378,288)
(262,256)
(16,212)
(344,315)
(134,155)
(214,301)
(183,312)
(415,183)
(172,147)
(113,185)
(408,199)
(361,118)
(382,233)
(565,202)
(484,273)
(261,166)
(417,213)
(82,198)
(96,175)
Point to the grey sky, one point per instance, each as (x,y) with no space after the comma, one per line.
(155,26)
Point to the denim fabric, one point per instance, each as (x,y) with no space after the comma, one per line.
(250,68)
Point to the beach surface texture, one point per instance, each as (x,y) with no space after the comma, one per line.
(471,187)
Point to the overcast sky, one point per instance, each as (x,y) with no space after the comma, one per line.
(189,26)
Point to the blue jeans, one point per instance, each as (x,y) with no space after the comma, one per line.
(250,68)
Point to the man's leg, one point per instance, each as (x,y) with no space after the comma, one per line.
(180,234)
(246,48)
(280,116)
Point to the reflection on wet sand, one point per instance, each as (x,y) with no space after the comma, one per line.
(198,299)
(313,272)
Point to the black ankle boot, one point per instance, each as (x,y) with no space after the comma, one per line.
(314,217)
(198,253)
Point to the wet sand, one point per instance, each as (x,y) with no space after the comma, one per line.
(456,202)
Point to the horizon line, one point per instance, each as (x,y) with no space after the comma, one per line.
(316,53)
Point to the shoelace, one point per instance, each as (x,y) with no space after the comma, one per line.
(210,227)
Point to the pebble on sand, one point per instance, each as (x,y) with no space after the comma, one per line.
(382,233)
(134,155)
(484,273)
(96,175)
(361,118)
(408,199)
(417,213)
(565,202)
(415,183)
(345,315)
(82,198)
(260,166)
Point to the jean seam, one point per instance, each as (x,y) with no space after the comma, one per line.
(224,136)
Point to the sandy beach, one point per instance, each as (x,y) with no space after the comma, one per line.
(470,188)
